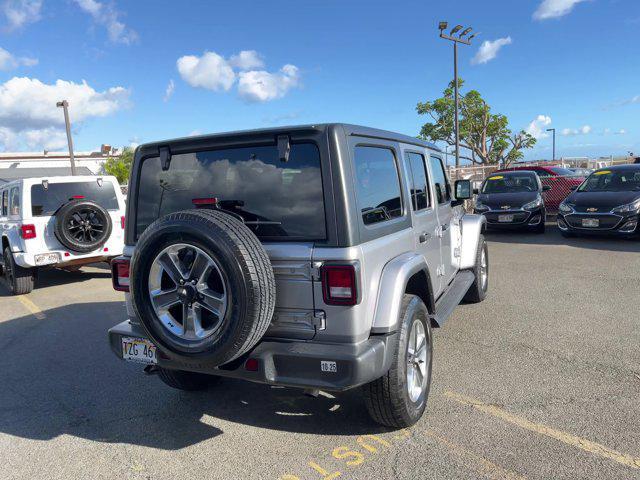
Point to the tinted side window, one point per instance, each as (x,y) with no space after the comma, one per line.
(377,184)
(443,191)
(14,208)
(542,173)
(420,196)
(5,203)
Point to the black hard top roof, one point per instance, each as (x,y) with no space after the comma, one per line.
(348,128)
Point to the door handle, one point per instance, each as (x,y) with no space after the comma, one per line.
(445,226)
(424,237)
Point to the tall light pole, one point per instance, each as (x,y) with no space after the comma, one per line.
(65,106)
(554,141)
(456,40)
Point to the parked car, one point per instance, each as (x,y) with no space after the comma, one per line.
(317,257)
(561,181)
(62,222)
(608,202)
(512,200)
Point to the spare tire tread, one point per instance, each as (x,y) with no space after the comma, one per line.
(257,270)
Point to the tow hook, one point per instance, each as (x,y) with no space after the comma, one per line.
(151,370)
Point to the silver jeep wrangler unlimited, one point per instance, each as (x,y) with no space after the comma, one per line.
(316,256)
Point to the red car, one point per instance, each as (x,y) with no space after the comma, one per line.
(561,180)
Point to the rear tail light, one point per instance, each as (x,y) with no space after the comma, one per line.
(339,285)
(28,231)
(122,222)
(120,274)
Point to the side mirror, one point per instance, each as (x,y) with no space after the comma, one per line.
(546,188)
(463,189)
(476,191)
(573,187)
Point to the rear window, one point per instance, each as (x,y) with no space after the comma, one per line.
(45,201)
(275,199)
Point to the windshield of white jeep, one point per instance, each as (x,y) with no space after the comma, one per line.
(273,198)
(45,201)
(612,181)
(511,183)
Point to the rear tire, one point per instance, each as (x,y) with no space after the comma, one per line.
(188,381)
(20,280)
(389,399)
(478,290)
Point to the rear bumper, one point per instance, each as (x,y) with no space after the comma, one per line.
(292,364)
(28,259)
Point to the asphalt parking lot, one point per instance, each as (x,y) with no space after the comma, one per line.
(542,380)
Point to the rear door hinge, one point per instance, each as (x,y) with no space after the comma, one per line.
(315,271)
(456,252)
(440,270)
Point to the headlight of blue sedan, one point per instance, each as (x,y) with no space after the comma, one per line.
(566,208)
(481,207)
(533,204)
(628,208)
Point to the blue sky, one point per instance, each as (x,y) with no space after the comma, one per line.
(569,64)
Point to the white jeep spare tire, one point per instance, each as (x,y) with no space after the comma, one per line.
(202,286)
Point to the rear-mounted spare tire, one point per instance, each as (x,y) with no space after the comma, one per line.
(82,226)
(202,286)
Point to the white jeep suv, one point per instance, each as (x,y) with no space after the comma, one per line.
(60,222)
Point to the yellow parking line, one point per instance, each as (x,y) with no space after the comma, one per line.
(32,307)
(573,440)
(476,462)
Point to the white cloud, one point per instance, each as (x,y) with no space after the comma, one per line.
(537,127)
(554,8)
(262,86)
(210,71)
(19,13)
(171,87)
(29,116)
(622,131)
(570,132)
(50,138)
(9,61)
(194,133)
(489,50)
(106,15)
(214,72)
(246,60)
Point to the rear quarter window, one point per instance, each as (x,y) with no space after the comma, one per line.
(377,184)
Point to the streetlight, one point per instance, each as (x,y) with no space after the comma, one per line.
(65,106)
(554,141)
(442,26)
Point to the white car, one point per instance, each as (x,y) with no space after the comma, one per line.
(61,222)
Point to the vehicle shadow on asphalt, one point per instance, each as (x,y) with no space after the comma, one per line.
(59,377)
(55,277)
(553,237)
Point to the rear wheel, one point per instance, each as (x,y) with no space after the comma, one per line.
(189,381)
(399,398)
(478,289)
(20,280)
